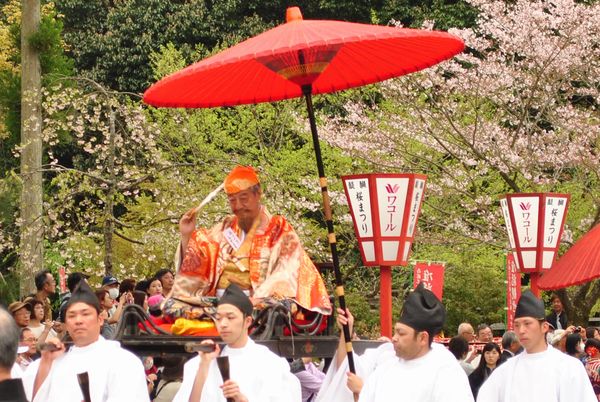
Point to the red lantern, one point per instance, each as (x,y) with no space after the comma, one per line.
(385,209)
(534,222)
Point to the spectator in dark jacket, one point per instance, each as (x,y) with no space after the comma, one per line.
(558,317)
(510,346)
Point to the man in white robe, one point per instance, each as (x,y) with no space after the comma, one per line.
(114,373)
(421,373)
(339,384)
(541,372)
(256,373)
(338,380)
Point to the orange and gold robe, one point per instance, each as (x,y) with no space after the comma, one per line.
(270,262)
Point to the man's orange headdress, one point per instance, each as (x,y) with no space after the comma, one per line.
(240,178)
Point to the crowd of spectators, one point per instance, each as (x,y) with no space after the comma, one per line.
(477,352)
(36,323)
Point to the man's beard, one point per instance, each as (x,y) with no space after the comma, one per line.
(245,223)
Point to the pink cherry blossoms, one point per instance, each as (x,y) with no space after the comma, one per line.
(517,111)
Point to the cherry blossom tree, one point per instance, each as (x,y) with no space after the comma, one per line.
(518,111)
(102,154)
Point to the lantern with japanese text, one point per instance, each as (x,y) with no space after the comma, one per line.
(534,222)
(385,209)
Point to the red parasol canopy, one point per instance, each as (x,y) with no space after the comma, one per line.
(327,55)
(302,58)
(580,264)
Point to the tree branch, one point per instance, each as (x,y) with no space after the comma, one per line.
(122,236)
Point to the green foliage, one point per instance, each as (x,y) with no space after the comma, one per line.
(9,287)
(412,13)
(48,41)
(473,282)
(112,42)
(10,190)
(166,61)
(53,62)
(10,111)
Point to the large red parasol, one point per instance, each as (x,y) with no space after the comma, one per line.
(580,264)
(278,64)
(302,58)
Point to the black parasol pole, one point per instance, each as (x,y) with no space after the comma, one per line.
(339,284)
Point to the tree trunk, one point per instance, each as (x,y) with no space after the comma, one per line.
(32,230)
(579,304)
(109,222)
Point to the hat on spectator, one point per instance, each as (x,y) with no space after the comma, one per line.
(109,280)
(18,305)
(422,311)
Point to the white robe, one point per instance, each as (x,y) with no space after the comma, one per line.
(261,375)
(549,376)
(115,374)
(16,371)
(334,388)
(434,377)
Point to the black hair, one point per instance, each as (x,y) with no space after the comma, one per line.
(126,285)
(488,347)
(592,342)
(173,368)
(41,278)
(162,272)
(155,311)
(139,297)
(554,297)
(73,280)
(571,345)
(458,346)
(142,285)
(589,332)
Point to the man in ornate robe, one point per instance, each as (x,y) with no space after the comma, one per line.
(260,253)
(114,374)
